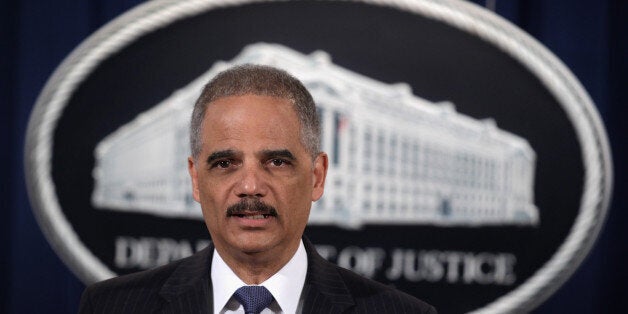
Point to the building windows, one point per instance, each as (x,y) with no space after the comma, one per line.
(418,159)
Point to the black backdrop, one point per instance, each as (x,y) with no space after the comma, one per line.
(37,35)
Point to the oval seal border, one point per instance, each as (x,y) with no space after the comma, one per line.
(467,17)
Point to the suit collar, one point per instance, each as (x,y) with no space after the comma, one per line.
(324,287)
(190,281)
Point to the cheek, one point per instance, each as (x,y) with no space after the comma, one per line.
(294,186)
(213,187)
(211,199)
(298,196)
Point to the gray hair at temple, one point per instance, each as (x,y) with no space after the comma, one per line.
(258,80)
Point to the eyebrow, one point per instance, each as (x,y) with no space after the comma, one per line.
(219,155)
(284,153)
(267,153)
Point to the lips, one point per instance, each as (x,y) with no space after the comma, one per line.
(252,215)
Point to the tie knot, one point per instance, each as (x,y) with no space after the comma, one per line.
(254,299)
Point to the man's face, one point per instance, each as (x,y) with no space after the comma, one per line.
(254,179)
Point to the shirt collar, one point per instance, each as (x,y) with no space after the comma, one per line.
(286,285)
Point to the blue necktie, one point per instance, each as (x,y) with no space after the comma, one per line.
(253,298)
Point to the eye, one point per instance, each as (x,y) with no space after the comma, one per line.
(222,164)
(277,162)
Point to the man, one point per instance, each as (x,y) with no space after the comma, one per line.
(256,168)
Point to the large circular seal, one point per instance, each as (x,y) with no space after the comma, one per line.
(468,163)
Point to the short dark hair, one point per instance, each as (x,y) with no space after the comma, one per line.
(258,80)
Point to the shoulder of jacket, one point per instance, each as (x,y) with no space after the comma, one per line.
(365,288)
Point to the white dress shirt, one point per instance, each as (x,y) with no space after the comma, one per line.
(286,285)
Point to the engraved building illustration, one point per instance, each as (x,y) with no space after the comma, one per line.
(394,158)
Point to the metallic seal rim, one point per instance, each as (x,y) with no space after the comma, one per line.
(467,17)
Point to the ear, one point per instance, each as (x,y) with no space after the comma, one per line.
(194,176)
(321,164)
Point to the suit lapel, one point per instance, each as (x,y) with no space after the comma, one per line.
(325,291)
(189,288)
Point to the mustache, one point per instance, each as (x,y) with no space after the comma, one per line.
(251,205)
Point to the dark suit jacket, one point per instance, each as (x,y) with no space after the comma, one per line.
(185,286)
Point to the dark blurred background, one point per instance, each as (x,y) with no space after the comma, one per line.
(588,36)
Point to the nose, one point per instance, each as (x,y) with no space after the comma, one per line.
(251,183)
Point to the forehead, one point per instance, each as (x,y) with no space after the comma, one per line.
(250,105)
(250,116)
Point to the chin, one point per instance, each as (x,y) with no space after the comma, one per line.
(252,243)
